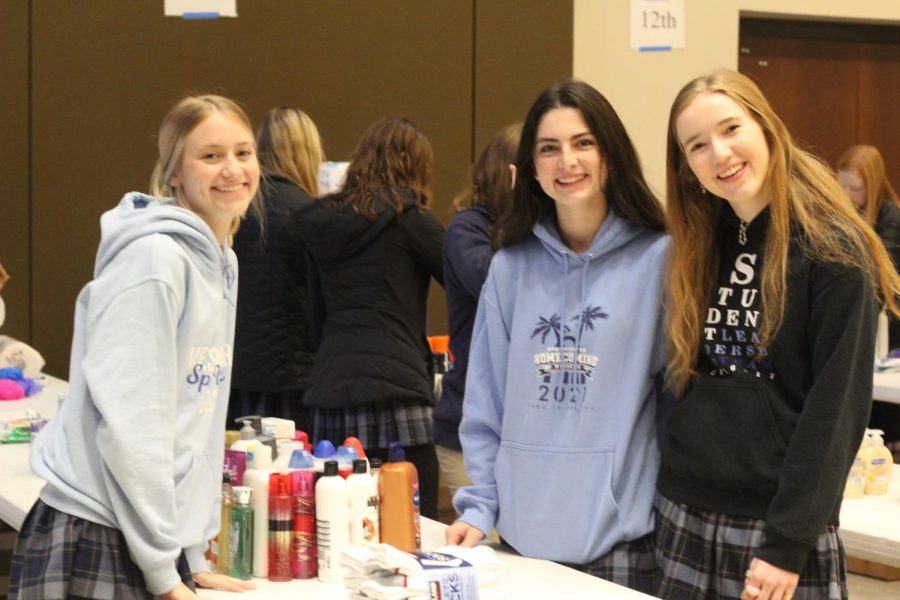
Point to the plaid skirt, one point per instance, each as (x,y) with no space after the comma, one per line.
(58,556)
(703,554)
(375,425)
(630,564)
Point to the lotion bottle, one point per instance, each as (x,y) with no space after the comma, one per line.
(398,486)
(363,505)
(332,522)
(259,465)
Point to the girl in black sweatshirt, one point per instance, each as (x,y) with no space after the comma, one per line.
(773,305)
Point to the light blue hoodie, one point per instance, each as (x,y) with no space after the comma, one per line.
(560,444)
(137,445)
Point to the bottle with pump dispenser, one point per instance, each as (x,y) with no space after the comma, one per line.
(240,537)
(879,464)
(332,522)
(856,479)
(398,485)
(363,505)
(259,466)
(247,441)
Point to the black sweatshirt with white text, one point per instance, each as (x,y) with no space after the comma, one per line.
(771,434)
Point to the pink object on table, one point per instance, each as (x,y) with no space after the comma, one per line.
(10,390)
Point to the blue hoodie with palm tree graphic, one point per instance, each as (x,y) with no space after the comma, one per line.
(559,417)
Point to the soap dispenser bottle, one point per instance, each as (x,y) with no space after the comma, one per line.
(879,465)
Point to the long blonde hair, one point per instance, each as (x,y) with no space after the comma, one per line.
(178,123)
(866,160)
(289,145)
(806,200)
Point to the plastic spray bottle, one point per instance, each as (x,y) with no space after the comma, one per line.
(240,537)
(280,527)
(303,552)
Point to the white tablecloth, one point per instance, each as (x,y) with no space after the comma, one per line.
(870,526)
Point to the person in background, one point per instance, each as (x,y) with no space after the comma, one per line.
(565,366)
(274,345)
(467,256)
(863,176)
(133,460)
(375,247)
(772,310)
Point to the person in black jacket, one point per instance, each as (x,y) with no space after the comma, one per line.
(863,176)
(467,256)
(375,247)
(274,347)
(772,310)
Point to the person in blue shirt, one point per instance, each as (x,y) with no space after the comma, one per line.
(559,416)
(467,256)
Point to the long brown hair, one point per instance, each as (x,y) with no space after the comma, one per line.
(805,197)
(490,180)
(289,145)
(391,155)
(626,190)
(867,161)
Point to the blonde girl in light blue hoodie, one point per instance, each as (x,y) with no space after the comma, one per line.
(133,460)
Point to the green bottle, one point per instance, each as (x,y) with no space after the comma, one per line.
(240,537)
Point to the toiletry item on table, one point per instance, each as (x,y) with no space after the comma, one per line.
(398,487)
(332,522)
(240,536)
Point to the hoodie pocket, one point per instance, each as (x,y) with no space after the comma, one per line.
(724,433)
(556,503)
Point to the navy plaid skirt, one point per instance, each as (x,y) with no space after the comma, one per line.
(58,556)
(375,425)
(631,564)
(703,554)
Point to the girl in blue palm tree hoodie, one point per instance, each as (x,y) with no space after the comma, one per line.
(559,417)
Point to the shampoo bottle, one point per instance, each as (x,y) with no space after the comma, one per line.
(363,505)
(240,537)
(879,465)
(398,485)
(332,522)
(259,465)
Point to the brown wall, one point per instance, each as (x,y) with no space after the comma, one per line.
(103,73)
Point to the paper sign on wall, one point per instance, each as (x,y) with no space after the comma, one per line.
(657,25)
(200,9)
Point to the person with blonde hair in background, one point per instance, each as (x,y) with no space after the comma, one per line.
(863,176)
(274,344)
(467,256)
(772,304)
(133,460)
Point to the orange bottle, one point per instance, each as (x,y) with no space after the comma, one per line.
(398,488)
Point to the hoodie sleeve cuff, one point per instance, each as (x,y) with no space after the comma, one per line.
(196,558)
(785,553)
(478,519)
(162,579)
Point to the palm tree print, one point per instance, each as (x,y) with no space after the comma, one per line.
(588,316)
(547,326)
